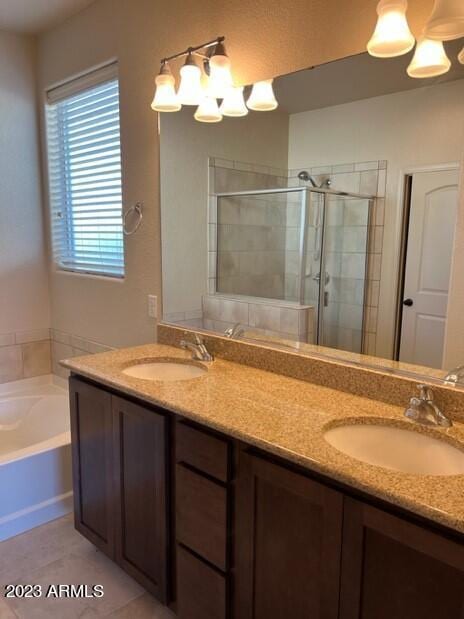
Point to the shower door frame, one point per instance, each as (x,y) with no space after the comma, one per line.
(303,238)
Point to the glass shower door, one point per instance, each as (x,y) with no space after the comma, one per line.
(344,263)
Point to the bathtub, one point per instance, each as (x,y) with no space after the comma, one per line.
(35,454)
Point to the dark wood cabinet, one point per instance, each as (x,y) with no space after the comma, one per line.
(92,455)
(202,589)
(140,494)
(288,544)
(120,481)
(392,568)
(241,535)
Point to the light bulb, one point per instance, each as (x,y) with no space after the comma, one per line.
(392,36)
(208,111)
(446,21)
(190,89)
(234,103)
(461,56)
(165,99)
(429,59)
(262,97)
(220,77)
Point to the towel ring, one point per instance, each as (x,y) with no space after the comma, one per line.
(138,209)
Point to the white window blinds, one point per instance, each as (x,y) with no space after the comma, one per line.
(84,163)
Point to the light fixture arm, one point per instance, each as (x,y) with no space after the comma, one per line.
(195,50)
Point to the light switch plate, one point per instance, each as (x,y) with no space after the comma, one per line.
(152,306)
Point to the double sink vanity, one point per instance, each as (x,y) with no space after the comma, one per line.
(229,491)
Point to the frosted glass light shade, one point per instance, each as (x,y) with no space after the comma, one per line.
(446,21)
(461,56)
(220,77)
(262,98)
(392,36)
(165,99)
(208,111)
(429,59)
(234,103)
(190,88)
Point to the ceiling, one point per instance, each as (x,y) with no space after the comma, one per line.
(33,16)
(354,78)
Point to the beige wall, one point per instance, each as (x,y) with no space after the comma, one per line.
(408,129)
(186,145)
(265,38)
(23,274)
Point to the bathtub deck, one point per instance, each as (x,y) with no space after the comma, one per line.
(56,554)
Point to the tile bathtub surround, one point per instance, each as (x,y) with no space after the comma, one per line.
(24,354)
(376,384)
(66,345)
(285,417)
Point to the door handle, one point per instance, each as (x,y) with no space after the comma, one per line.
(408,302)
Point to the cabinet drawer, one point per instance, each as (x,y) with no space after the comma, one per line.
(201,516)
(202,451)
(201,591)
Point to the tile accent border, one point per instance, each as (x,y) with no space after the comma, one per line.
(357,380)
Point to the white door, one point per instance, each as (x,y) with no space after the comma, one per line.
(432,220)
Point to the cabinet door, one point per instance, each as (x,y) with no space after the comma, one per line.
(92,463)
(392,568)
(140,466)
(288,544)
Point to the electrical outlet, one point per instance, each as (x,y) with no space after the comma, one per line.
(152,306)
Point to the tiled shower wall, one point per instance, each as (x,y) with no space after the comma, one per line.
(24,354)
(250,232)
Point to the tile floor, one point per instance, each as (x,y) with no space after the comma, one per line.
(56,554)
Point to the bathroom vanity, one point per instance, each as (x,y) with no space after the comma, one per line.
(221,497)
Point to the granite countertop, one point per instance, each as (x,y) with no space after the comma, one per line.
(286,417)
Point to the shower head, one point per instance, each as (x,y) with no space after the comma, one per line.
(305,176)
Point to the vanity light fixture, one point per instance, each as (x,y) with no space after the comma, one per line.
(262,98)
(190,88)
(165,99)
(208,111)
(392,36)
(430,59)
(446,21)
(220,76)
(219,89)
(234,103)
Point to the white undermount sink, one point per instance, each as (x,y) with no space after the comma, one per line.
(165,370)
(396,448)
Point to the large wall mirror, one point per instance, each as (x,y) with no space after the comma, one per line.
(325,226)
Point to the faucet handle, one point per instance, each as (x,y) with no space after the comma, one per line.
(425,393)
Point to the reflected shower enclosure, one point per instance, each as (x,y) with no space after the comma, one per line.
(305,246)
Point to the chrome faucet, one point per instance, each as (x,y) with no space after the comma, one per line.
(424,410)
(455,376)
(234,332)
(197,348)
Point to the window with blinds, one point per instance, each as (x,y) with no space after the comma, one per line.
(84,163)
